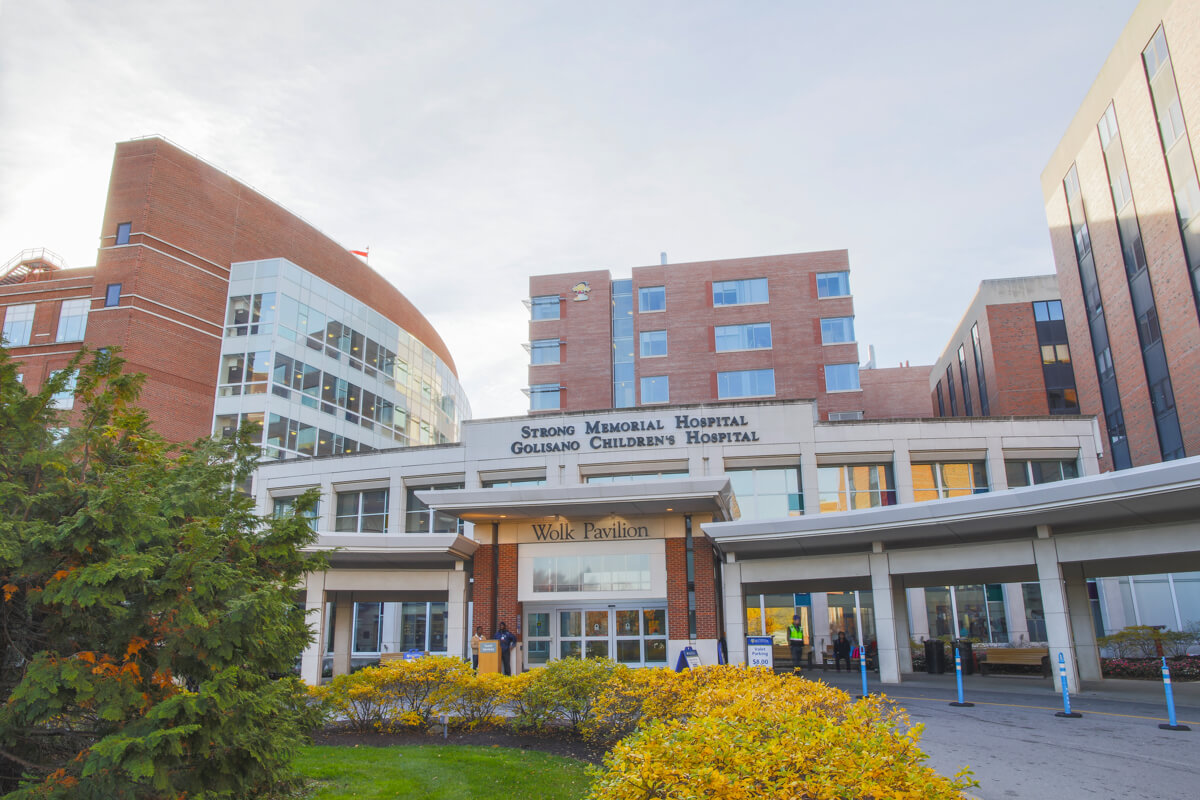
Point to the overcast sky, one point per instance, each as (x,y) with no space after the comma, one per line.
(472,144)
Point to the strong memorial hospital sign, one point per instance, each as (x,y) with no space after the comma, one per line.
(597,434)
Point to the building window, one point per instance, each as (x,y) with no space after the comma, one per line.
(1031,473)
(420,518)
(246,313)
(509,483)
(767,492)
(1057,372)
(746,383)
(624,370)
(950,390)
(112,295)
(544,306)
(621,572)
(246,373)
(835,330)
(395,628)
(64,399)
(362,512)
(979,375)
(941,400)
(855,486)
(286,506)
(965,377)
(841,377)
(754,336)
(123,231)
(544,351)
(544,397)
(634,477)
(833,284)
(655,389)
(740,293)
(18,325)
(72,320)
(652,298)
(652,344)
(845,416)
(939,480)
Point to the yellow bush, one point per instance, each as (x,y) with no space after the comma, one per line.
(731,733)
(529,699)
(475,700)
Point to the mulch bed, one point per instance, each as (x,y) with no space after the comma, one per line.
(559,743)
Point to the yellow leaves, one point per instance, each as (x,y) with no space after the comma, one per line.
(136,644)
(9,590)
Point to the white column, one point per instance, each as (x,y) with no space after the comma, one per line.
(456,613)
(314,610)
(1054,601)
(902,472)
(885,617)
(918,613)
(821,634)
(1087,654)
(903,634)
(343,632)
(1014,608)
(735,614)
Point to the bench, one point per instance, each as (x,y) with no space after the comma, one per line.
(1022,656)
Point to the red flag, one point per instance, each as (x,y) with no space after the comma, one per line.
(363,253)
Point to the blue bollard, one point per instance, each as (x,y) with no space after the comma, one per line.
(1062,676)
(1172,725)
(862,662)
(958,674)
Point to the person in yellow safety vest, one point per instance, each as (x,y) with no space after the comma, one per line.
(795,635)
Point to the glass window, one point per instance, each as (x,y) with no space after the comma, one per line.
(65,399)
(841,377)
(849,487)
(286,506)
(1029,473)
(754,336)
(835,330)
(746,383)
(18,325)
(938,480)
(655,389)
(833,284)
(737,293)
(123,231)
(544,396)
(112,295)
(767,492)
(544,351)
(544,306)
(420,518)
(652,344)
(633,477)
(362,512)
(652,298)
(510,482)
(622,572)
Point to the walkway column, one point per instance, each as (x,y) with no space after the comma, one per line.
(885,617)
(903,635)
(343,632)
(314,614)
(1079,603)
(735,613)
(1054,601)
(456,612)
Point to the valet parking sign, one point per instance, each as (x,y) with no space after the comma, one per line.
(678,429)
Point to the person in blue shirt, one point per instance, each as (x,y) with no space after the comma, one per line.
(506,639)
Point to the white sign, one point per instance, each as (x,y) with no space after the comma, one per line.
(759,652)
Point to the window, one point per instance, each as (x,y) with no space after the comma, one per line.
(112,295)
(72,320)
(395,628)
(64,399)
(123,231)
(655,389)
(1031,473)
(746,383)
(1056,354)
(1047,311)
(938,480)
(286,506)
(739,293)
(950,389)
(544,351)
(512,482)
(624,384)
(634,477)
(544,397)
(855,486)
(544,306)
(246,313)
(362,512)
(420,518)
(979,376)
(754,336)
(621,572)
(841,377)
(245,373)
(652,344)
(965,377)
(845,416)
(652,298)
(18,325)
(835,330)
(833,284)
(767,492)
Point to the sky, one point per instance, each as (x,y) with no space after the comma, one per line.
(473,144)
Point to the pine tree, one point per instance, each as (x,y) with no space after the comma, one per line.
(149,622)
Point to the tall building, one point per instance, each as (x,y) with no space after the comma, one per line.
(1009,355)
(228,303)
(1123,205)
(770,327)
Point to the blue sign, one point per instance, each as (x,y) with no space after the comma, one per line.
(803,599)
(759,652)
(688,659)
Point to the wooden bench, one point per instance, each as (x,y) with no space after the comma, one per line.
(1023,656)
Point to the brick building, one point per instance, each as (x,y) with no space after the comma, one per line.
(1123,206)
(175,286)
(710,331)
(1009,355)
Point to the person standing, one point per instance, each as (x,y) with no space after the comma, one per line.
(841,649)
(795,635)
(475,640)
(506,639)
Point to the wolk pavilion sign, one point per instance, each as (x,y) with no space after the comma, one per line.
(587,531)
(662,432)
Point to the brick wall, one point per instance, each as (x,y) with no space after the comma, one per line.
(893,392)
(677,591)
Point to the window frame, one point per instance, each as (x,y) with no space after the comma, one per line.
(65,318)
(857,380)
(847,324)
(545,345)
(727,376)
(545,390)
(643,340)
(360,514)
(654,379)
(648,292)
(25,322)
(823,278)
(740,329)
(737,286)
(124,231)
(111,300)
(545,301)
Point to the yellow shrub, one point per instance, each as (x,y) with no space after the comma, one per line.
(474,700)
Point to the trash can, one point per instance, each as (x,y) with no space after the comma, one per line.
(935,656)
(964,650)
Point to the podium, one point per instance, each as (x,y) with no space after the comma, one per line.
(489,656)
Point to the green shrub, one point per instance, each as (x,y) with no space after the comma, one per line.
(1139,641)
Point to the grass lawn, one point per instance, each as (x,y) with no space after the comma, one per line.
(432,772)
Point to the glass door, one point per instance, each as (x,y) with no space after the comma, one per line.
(597,633)
(632,636)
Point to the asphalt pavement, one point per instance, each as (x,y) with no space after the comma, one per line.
(1016,747)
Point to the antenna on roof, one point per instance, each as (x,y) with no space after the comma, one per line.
(663,258)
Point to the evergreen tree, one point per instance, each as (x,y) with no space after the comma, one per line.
(149,621)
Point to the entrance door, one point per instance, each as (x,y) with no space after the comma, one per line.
(632,636)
